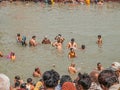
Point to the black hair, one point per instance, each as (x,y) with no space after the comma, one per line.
(85,81)
(99,36)
(65,78)
(23,85)
(72,40)
(51,78)
(33,36)
(17,84)
(18,34)
(29,80)
(17,77)
(107,78)
(83,46)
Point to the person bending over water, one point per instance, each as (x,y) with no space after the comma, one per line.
(37,72)
(46,40)
(33,42)
(72,69)
(1,54)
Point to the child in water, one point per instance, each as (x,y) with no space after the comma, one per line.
(99,41)
(11,56)
(72,53)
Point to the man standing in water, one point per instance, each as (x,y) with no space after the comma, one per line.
(33,42)
(99,41)
(72,44)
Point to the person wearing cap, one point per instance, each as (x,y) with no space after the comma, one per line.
(72,44)
(115,66)
(46,40)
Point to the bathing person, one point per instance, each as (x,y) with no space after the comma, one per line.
(57,44)
(72,53)
(72,69)
(46,40)
(37,72)
(4,82)
(59,37)
(72,44)
(99,41)
(19,39)
(17,79)
(24,43)
(33,42)
(29,84)
(1,54)
(99,67)
(13,57)
(50,79)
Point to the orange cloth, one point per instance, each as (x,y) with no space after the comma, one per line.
(68,86)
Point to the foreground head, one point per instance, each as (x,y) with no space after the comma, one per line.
(107,78)
(84,82)
(65,78)
(4,82)
(51,78)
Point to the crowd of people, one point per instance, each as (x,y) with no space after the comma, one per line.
(51,2)
(98,79)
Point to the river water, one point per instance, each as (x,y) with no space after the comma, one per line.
(81,22)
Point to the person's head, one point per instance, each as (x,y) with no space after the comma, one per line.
(50,78)
(107,78)
(94,76)
(29,80)
(33,37)
(71,49)
(4,82)
(59,35)
(37,69)
(23,86)
(82,46)
(17,78)
(17,84)
(84,82)
(72,40)
(99,65)
(99,36)
(18,34)
(65,78)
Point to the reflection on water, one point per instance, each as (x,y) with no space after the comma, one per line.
(81,22)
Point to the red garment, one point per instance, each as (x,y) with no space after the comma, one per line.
(68,86)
